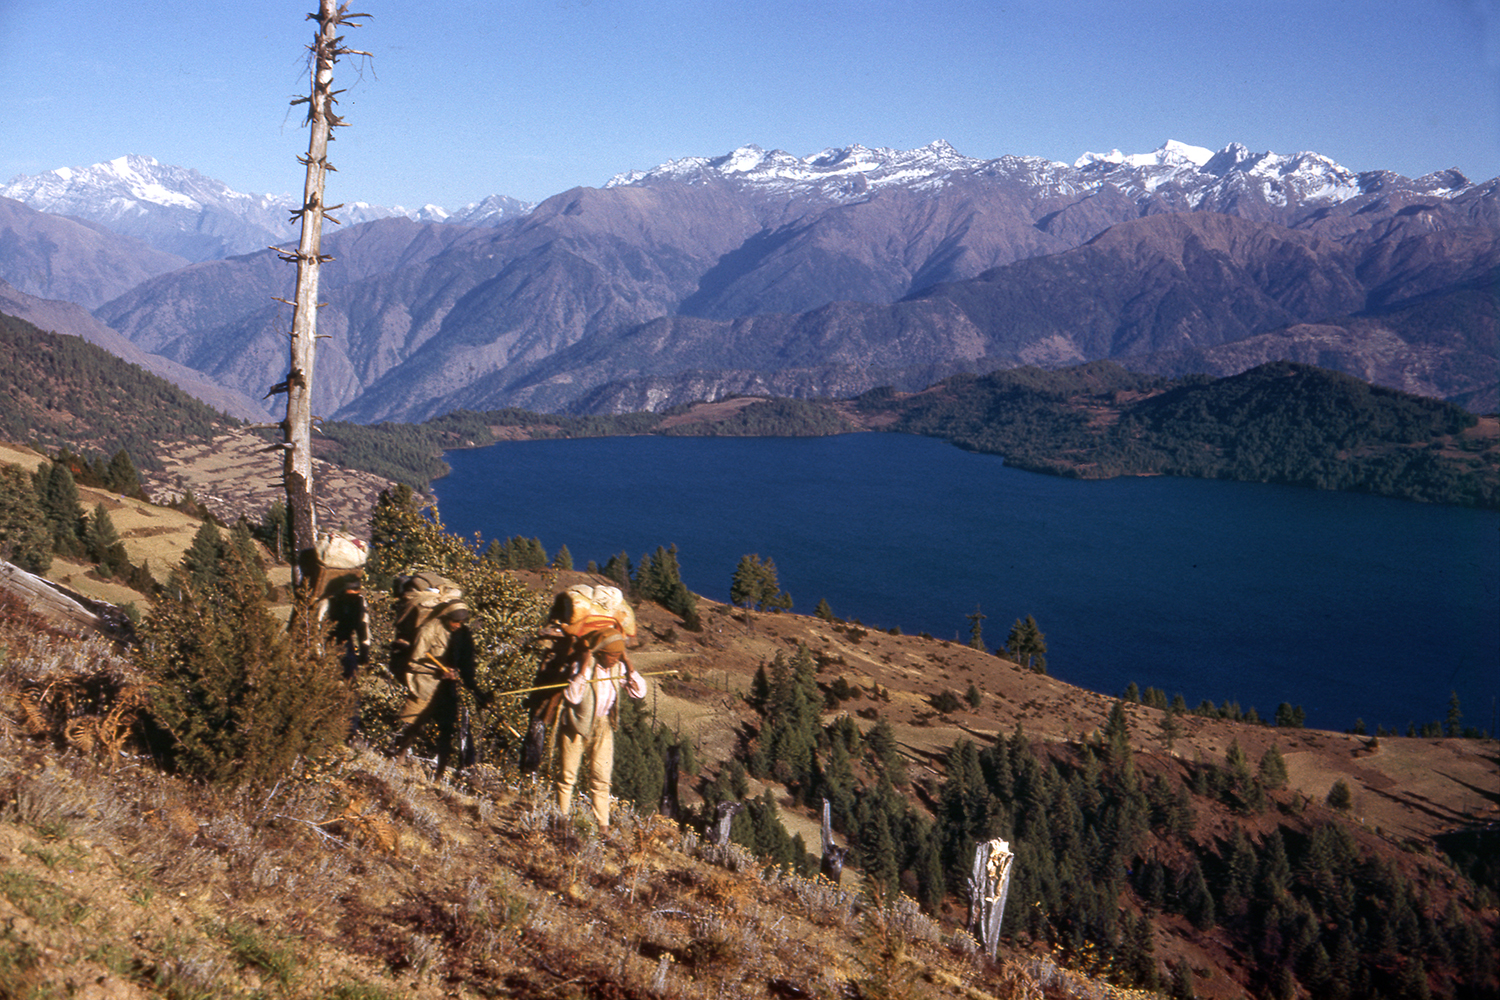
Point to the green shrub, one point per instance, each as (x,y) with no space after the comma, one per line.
(241,699)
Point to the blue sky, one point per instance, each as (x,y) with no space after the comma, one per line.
(465,99)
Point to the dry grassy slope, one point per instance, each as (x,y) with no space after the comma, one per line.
(157,535)
(119,882)
(374,883)
(233,476)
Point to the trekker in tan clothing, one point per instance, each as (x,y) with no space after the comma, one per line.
(441,656)
(587,720)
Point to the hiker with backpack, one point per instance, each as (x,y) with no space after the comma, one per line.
(433,653)
(333,572)
(586,722)
(577,613)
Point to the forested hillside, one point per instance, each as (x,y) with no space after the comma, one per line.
(63,392)
(412,453)
(1279,423)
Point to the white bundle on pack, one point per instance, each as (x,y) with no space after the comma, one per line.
(341,550)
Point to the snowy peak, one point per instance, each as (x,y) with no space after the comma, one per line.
(172,208)
(1189,177)
(179,210)
(125,181)
(835,172)
(1171,154)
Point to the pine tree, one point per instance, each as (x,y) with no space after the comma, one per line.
(201,561)
(563,560)
(837,786)
(1273,873)
(1117,738)
(927,866)
(755,585)
(58,493)
(651,578)
(619,571)
(744,586)
(963,813)
(1171,728)
(1026,640)
(243,542)
(1137,952)
(884,748)
(102,542)
(1272,768)
(877,848)
(121,477)
(823,611)
(976,628)
(274,530)
(24,536)
(1239,875)
(1339,796)
(1194,900)
(785,748)
(640,749)
(659,579)
(398,528)
(1451,726)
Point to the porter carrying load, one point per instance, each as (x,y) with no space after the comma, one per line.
(420,598)
(578,613)
(334,575)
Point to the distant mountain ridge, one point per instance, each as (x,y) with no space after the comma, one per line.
(1192,177)
(182,212)
(801,276)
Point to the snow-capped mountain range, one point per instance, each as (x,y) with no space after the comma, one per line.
(180,211)
(1200,174)
(760,271)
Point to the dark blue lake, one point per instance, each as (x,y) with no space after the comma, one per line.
(1352,607)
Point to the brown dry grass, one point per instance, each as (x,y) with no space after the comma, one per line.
(364,878)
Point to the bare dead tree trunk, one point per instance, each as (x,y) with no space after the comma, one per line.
(988,886)
(297,468)
(832,863)
(724,813)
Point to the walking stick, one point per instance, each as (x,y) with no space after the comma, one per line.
(596,680)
